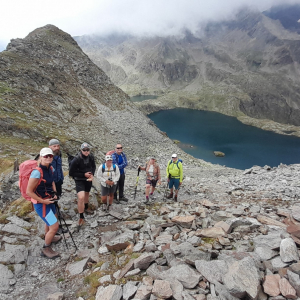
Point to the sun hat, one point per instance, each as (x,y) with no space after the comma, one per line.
(46,151)
(108,157)
(174,155)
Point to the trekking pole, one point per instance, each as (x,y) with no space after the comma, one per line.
(137,181)
(60,217)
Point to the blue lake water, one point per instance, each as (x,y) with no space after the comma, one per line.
(142,98)
(244,146)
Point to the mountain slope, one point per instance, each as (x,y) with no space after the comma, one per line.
(50,88)
(246,66)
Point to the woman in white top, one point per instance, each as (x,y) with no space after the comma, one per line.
(108,174)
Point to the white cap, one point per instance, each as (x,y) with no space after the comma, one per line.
(108,157)
(46,151)
(174,155)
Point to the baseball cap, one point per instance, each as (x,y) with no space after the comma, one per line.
(54,142)
(174,155)
(46,151)
(108,157)
(85,145)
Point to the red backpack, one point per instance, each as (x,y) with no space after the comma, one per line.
(110,152)
(25,170)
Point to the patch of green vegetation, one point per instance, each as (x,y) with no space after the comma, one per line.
(3,218)
(60,279)
(4,88)
(21,207)
(11,268)
(208,240)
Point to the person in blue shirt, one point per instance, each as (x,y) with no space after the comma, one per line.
(54,145)
(120,159)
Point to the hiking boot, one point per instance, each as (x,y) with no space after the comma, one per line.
(170,196)
(89,211)
(80,224)
(56,239)
(147,199)
(49,252)
(175,198)
(123,199)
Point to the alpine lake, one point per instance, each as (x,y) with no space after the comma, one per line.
(202,132)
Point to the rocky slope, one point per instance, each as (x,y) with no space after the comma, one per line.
(50,88)
(246,66)
(232,234)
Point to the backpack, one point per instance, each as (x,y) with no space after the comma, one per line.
(103,167)
(178,161)
(70,159)
(110,152)
(25,170)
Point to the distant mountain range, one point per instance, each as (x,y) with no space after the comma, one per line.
(245,66)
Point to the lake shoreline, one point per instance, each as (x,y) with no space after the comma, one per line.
(161,103)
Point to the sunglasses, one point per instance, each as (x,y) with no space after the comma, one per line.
(48,156)
(119,147)
(85,150)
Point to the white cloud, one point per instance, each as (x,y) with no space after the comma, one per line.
(77,17)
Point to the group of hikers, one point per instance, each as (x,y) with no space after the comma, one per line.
(45,184)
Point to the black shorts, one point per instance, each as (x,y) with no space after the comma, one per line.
(83,186)
(152,182)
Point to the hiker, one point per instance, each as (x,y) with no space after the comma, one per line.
(54,145)
(152,176)
(43,196)
(119,159)
(82,169)
(108,174)
(175,175)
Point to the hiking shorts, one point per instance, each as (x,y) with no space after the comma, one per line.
(83,186)
(174,182)
(106,191)
(152,182)
(39,210)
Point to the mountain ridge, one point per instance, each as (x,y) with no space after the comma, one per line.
(243,67)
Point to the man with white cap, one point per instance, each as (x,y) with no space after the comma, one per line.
(54,145)
(175,175)
(82,169)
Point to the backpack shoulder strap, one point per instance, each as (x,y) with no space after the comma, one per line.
(114,166)
(103,167)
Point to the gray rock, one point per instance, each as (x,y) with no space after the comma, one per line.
(288,250)
(56,296)
(129,289)
(213,271)
(18,221)
(5,278)
(265,253)
(162,289)
(133,272)
(15,229)
(111,292)
(183,273)
(296,212)
(277,264)
(294,280)
(144,261)
(271,240)
(243,279)
(121,241)
(77,267)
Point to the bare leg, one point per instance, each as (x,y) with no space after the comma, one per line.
(147,190)
(111,198)
(81,201)
(51,233)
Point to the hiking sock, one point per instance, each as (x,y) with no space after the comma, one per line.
(86,206)
(147,198)
(45,245)
(151,194)
(81,216)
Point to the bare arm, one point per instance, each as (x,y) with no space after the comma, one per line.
(32,183)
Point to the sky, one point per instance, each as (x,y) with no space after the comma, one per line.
(137,17)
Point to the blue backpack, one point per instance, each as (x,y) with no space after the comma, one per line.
(178,161)
(103,168)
